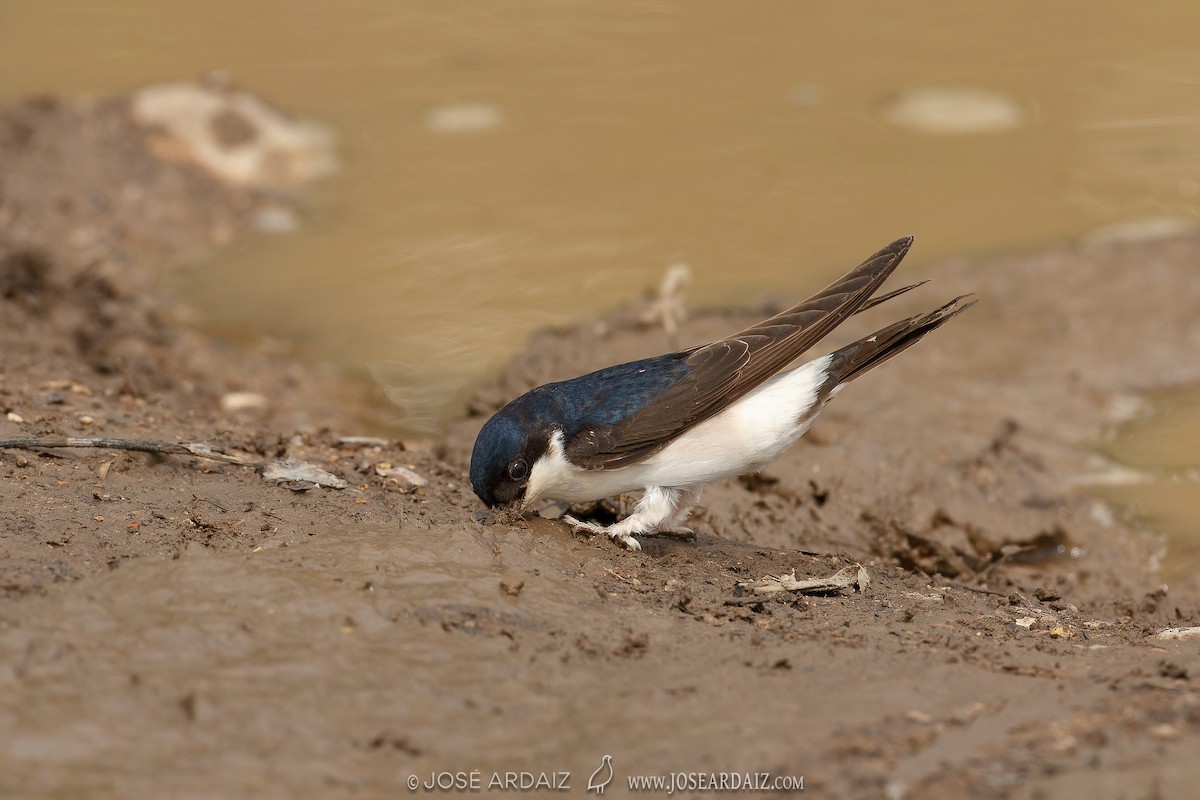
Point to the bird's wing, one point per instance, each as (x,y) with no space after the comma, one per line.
(724,371)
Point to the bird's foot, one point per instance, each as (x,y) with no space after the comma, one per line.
(592,529)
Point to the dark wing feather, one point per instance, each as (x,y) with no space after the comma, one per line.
(858,358)
(724,371)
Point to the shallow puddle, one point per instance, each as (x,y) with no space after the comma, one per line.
(1164,492)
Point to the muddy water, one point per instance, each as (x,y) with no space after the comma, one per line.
(1164,493)
(505,170)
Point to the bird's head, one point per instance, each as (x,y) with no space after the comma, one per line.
(501,464)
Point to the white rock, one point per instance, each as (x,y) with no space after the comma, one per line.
(234,135)
(402,475)
(294,471)
(1178,633)
(950,111)
(464,118)
(243,401)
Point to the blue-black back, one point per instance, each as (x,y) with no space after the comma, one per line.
(599,399)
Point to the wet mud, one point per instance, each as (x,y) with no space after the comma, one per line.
(177,626)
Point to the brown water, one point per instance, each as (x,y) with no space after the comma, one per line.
(757,144)
(1162,445)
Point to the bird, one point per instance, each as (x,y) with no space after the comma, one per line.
(672,424)
(603,775)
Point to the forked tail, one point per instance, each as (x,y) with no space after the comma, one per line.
(858,358)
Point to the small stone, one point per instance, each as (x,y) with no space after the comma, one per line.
(1046,594)
(362,441)
(243,401)
(953,111)
(300,476)
(464,118)
(1164,731)
(275,220)
(13,416)
(234,135)
(403,476)
(553,510)
(1177,633)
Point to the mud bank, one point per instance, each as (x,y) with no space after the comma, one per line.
(177,626)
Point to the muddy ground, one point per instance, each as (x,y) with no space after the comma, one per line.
(176,626)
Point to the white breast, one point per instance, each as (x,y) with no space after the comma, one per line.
(745,437)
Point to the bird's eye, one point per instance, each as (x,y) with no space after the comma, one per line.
(518,470)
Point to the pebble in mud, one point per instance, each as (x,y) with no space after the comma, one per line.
(953,111)
(464,118)
(235,135)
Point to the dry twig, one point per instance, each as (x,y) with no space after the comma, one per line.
(198,449)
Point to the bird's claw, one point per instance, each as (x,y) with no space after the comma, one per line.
(592,529)
(626,541)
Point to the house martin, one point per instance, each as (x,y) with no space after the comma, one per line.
(671,424)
